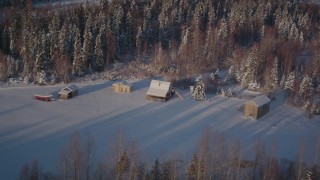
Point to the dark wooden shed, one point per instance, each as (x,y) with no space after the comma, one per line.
(257,107)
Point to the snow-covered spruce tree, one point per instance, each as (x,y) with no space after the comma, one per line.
(139,41)
(254,85)
(209,48)
(223,30)
(116,23)
(63,39)
(305,87)
(27,47)
(294,33)
(99,60)
(78,66)
(87,52)
(289,86)
(14,35)
(12,66)
(199,90)
(274,76)
(183,50)
(103,28)
(211,14)
(289,83)
(215,76)
(41,66)
(163,23)
(54,29)
(200,14)
(129,34)
(71,38)
(231,74)
(42,78)
(283,22)
(250,67)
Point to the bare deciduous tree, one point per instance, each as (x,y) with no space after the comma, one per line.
(89,156)
(72,159)
(30,172)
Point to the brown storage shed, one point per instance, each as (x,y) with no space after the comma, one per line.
(68,92)
(122,87)
(257,107)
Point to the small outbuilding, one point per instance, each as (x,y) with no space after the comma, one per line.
(122,87)
(159,90)
(257,107)
(68,92)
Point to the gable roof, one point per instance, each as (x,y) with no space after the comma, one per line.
(63,91)
(70,88)
(159,88)
(260,100)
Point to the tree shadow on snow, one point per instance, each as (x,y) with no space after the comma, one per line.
(16,109)
(141,84)
(93,88)
(55,94)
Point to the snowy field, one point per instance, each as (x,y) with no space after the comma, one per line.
(35,129)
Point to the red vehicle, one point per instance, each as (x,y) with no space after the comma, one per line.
(43,98)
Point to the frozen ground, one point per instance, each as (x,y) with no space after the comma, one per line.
(35,129)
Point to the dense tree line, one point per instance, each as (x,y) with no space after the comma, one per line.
(261,41)
(215,158)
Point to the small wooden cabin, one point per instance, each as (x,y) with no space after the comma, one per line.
(68,92)
(257,107)
(159,91)
(122,87)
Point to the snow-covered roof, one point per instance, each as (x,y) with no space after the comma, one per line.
(124,83)
(63,91)
(71,88)
(260,100)
(159,88)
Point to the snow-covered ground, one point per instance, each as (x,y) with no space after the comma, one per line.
(35,129)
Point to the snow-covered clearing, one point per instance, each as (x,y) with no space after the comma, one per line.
(36,129)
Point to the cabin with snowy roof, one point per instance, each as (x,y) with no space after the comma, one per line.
(257,107)
(122,87)
(68,92)
(159,91)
